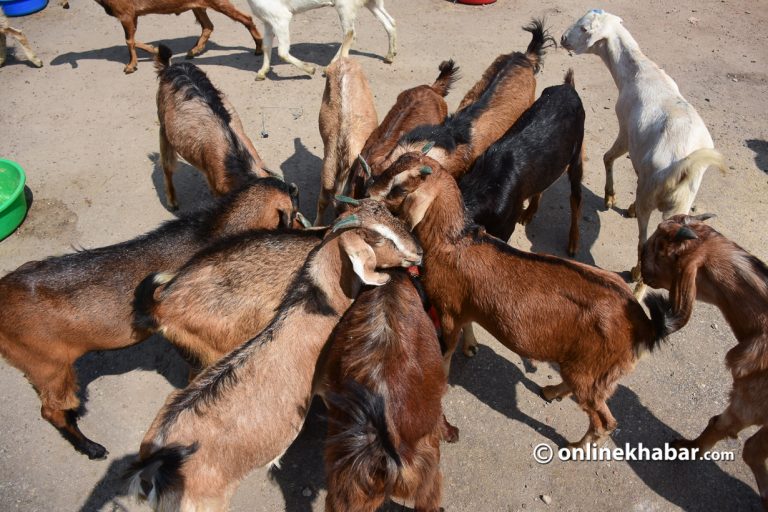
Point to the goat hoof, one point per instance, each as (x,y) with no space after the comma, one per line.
(310,70)
(610,200)
(37,62)
(389,59)
(631,212)
(94,451)
(470,351)
(260,77)
(191,54)
(128,69)
(636,274)
(448,432)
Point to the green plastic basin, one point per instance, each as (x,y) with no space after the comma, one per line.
(13,203)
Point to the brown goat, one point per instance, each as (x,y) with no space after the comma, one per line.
(490,108)
(420,105)
(383,383)
(198,122)
(693,261)
(7,30)
(58,309)
(128,12)
(542,307)
(347,118)
(244,411)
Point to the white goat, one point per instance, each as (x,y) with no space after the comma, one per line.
(667,141)
(7,29)
(277,14)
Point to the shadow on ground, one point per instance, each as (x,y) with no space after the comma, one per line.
(192,190)
(303,168)
(760,147)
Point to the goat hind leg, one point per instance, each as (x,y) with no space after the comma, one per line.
(377,8)
(24,43)
(269,38)
(227,9)
(205,22)
(168,161)
(556,392)
(533,206)
(755,454)
(575,174)
(284,47)
(129,27)
(726,424)
(3,48)
(469,345)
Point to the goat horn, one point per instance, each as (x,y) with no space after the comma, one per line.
(347,199)
(425,170)
(685,233)
(429,145)
(704,216)
(304,221)
(366,167)
(346,223)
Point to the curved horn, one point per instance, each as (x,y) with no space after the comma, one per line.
(304,221)
(347,223)
(429,145)
(366,167)
(425,170)
(685,233)
(704,216)
(347,199)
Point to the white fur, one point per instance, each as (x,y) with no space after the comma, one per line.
(277,14)
(658,127)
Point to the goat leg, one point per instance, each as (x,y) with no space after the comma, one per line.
(3,48)
(24,43)
(470,342)
(533,205)
(448,432)
(620,147)
(557,392)
(205,22)
(719,427)
(129,27)
(65,422)
(755,454)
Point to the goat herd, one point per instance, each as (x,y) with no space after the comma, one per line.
(270,310)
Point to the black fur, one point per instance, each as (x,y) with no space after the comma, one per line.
(162,469)
(529,158)
(449,74)
(364,442)
(144,303)
(662,318)
(539,40)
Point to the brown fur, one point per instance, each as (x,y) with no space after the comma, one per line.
(128,12)
(58,309)
(420,105)
(387,344)
(258,395)
(347,119)
(694,261)
(542,307)
(7,30)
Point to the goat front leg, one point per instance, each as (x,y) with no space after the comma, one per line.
(451,333)
(129,27)
(202,17)
(755,454)
(470,342)
(533,206)
(269,37)
(619,148)
(24,43)
(643,217)
(347,15)
(168,161)
(377,8)
(282,31)
(727,424)
(3,48)
(557,392)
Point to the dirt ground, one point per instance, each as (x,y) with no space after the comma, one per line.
(87,136)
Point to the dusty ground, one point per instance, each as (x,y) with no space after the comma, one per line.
(87,136)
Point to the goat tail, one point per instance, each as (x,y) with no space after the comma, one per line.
(151,478)
(540,40)
(691,168)
(163,58)
(361,452)
(663,320)
(449,73)
(569,78)
(144,302)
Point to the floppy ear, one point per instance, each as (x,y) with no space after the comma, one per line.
(363,259)
(286,222)
(416,205)
(598,28)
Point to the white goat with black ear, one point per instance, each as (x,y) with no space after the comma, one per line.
(244,411)
(668,143)
(277,15)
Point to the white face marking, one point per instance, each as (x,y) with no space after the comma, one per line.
(388,233)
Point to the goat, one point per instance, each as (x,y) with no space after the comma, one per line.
(668,143)
(542,307)
(201,125)
(545,141)
(5,30)
(259,393)
(490,108)
(383,382)
(693,261)
(58,309)
(347,118)
(420,105)
(128,12)
(277,15)
(531,156)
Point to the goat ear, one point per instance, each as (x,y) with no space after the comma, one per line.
(363,259)
(596,31)
(416,205)
(285,219)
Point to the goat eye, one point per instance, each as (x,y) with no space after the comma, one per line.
(583,29)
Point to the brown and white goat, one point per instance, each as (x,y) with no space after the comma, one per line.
(542,307)
(7,30)
(489,109)
(128,12)
(420,105)
(60,308)
(693,261)
(347,118)
(198,123)
(244,411)
(383,383)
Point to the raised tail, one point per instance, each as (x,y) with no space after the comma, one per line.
(691,170)
(569,78)
(163,58)
(362,450)
(144,302)
(449,73)
(664,322)
(149,479)
(540,40)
